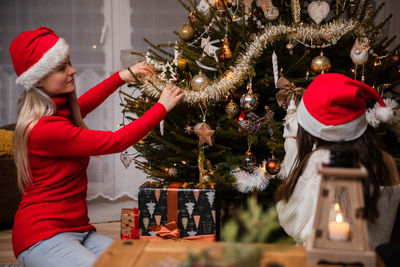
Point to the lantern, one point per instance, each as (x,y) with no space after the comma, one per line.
(339,233)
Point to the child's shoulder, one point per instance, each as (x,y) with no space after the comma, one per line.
(310,173)
(320,156)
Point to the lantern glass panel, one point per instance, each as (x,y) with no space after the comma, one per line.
(339,226)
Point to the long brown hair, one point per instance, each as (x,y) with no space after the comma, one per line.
(369,153)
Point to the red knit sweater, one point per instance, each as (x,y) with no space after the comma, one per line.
(58,156)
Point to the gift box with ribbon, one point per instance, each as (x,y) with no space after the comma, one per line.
(177,211)
(130,223)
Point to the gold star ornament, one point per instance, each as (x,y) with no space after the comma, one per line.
(204,134)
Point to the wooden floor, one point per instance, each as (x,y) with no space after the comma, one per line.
(111,229)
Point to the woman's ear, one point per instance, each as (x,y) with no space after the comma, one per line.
(38,84)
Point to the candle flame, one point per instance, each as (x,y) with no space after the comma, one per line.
(337,207)
(339,218)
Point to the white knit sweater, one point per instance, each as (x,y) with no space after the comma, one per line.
(297,214)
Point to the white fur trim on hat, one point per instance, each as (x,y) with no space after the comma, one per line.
(379,114)
(333,133)
(49,61)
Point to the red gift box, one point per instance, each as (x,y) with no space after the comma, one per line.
(130,223)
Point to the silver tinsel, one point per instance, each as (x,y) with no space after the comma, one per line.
(238,73)
(248,182)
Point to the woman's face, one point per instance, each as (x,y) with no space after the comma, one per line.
(60,81)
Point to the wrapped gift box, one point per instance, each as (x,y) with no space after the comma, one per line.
(191,207)
(130,223)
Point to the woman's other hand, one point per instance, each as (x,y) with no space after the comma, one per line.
(140,68)
(170,96)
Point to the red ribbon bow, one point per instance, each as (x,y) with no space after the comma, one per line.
(171,231)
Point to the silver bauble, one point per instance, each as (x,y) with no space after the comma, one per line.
(199,82)
(359,56)
(249,101)
(320,64)
(271,13)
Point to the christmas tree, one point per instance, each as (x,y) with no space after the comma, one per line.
(240,63)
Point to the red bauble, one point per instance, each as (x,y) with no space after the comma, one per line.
(273,166)
(396,59)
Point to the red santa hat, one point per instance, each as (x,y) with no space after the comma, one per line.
(333,108)
(35,54)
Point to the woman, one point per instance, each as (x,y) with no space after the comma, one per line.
(52,146)
(332,114)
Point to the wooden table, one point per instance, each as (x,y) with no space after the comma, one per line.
(129,253)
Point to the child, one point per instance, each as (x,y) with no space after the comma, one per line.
(52,147)
(332,113)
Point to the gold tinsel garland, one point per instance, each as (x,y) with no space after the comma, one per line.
(295,6)
(239,72)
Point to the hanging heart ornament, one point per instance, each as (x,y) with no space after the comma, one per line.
(318,10)
(126,159)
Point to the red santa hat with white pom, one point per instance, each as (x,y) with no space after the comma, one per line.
(35,54)
(334,108)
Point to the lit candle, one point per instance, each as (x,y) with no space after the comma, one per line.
(339,230)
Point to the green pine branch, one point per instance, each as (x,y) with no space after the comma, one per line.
(158,48)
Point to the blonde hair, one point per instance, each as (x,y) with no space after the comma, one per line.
(33,105)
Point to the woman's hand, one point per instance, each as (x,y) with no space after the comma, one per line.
(170,96)
(139,69)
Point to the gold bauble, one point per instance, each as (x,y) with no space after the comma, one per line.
(186,33)
(290,47)
(182,63)
(320,63)
(231,108)
(199,82)
(226,50)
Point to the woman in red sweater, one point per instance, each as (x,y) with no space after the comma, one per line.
(52,147)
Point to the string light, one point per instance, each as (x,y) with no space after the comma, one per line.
(377,63)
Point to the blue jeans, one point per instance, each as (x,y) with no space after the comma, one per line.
(66,250)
